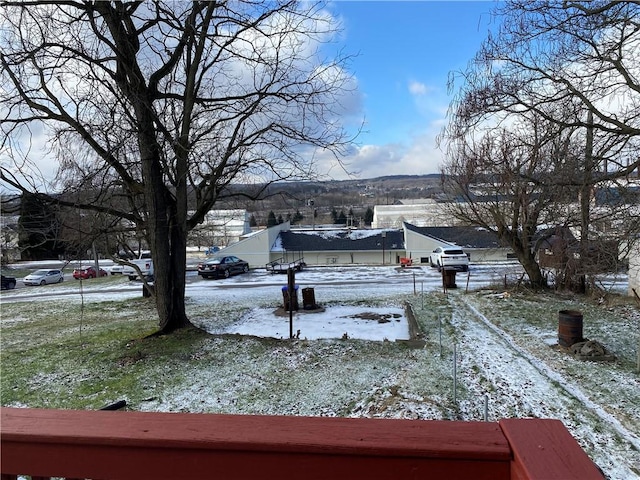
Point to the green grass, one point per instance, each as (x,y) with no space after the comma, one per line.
(60,357)
(65,356)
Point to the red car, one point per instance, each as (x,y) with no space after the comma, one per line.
(88,272)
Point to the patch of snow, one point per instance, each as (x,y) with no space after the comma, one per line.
(332,322)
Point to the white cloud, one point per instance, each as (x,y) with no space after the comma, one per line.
(419,156)
(417,88)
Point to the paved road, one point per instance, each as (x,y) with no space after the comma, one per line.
(384,279)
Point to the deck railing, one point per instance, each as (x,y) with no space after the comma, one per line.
(135,445)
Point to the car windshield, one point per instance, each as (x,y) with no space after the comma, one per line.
(454,252)
(215,260)
(40,272)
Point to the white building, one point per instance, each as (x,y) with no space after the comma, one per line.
(429,214)
(221,228)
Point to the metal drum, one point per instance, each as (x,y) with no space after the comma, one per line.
(569,327)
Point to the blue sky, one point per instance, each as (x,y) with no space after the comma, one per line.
(405,51)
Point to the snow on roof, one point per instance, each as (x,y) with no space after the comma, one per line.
(349,234)
(342,240)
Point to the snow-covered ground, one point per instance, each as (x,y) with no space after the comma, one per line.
(504,369)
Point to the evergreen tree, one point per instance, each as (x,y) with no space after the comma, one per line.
(38,229)
(271,219)
(368,216)
(298,217)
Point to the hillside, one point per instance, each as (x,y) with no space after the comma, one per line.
(343,195)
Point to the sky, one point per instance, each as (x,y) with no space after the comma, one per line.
(401,56)
(404,53)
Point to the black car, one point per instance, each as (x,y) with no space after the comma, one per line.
(222,267)
(8,283)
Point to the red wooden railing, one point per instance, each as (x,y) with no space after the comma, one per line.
(135,445)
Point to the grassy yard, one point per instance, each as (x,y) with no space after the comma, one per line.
(62,354)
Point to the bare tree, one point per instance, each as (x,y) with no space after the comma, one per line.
(505,182)
(149,105)
(571,67)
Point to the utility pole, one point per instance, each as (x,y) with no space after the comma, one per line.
(384,236)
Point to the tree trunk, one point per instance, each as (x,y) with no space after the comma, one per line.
(170,286)
(168,240)
(532,269)
(528,261)
(578,283)
(167,237)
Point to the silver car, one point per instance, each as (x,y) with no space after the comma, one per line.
(44,276)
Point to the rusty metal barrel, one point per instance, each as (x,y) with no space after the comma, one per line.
(449,279)
(308,298)
(569,327)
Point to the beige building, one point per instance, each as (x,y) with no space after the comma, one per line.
(221,228)
(426,214)
(350,246)
(480,245)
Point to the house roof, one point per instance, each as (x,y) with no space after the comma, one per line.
(466,237)
(342,240)
(555,237)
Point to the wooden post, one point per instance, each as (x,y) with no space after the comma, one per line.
(291,284)
(638,348)
(455,374)
(444,282)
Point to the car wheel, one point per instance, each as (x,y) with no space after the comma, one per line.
(439,267)
(227,273)
(61,280)
(245,269)
(43,282)
(11,285)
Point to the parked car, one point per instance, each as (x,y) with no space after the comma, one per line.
(8,283)
(450,258)
(222,267)
(44,276)
(88,272)
(116,269)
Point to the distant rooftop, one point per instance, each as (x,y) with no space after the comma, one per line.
(339,240)
(466,237)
